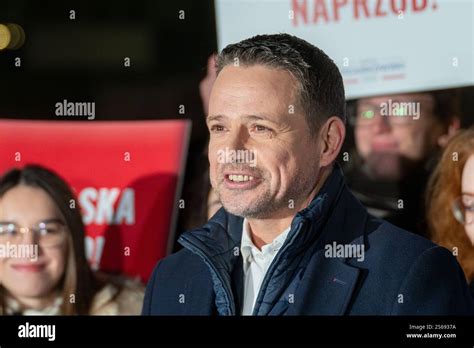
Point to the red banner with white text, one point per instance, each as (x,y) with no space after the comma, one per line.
(126,176)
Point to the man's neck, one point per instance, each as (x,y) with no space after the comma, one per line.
(264,231)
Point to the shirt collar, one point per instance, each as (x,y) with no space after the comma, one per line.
(249,249)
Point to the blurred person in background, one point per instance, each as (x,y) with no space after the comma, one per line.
(397,142)
(450,201)
(205,88)
(35,209)
(201,200)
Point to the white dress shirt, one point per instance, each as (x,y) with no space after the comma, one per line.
(256,264)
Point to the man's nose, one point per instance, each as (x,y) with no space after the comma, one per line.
(237,139)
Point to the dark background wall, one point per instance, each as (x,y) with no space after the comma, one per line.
(83,59)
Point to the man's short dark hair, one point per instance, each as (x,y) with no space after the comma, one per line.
(321,90)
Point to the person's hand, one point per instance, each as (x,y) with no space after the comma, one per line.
(205,86)
(452,130)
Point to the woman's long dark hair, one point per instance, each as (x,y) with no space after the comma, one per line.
(78,283)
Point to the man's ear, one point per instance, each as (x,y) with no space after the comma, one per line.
(453,127)
(332,135)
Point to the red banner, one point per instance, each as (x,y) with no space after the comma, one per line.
(126,176)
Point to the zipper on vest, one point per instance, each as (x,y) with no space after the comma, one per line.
(194,248)
(272,267)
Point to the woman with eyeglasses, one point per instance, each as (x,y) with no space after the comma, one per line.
(43,267)
(450,201)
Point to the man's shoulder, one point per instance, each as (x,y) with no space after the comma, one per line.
(180,285)
(394,250)
(181,264)
(409,275)
(390,238)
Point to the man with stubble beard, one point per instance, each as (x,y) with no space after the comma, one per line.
(291,239)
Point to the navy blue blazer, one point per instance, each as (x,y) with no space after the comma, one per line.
(398,273)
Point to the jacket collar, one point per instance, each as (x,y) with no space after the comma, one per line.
(218,244)
(218,241)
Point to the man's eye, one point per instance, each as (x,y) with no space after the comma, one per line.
(217,128)
(260,128)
